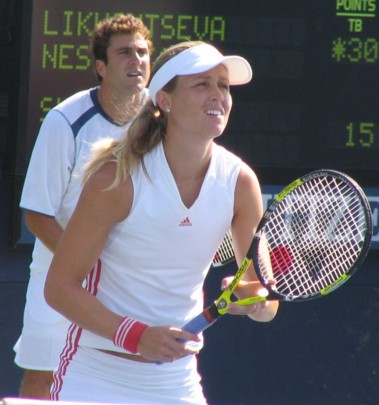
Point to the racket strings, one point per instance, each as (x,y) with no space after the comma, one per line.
(225,252)
(313,237)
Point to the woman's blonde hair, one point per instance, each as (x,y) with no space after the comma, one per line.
(147,129)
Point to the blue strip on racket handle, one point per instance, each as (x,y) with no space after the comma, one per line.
(200,322)
(197,324)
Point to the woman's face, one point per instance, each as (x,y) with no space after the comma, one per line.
(201,103)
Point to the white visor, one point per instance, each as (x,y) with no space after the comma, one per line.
(198,59)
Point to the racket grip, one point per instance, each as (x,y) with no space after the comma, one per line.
(198,324)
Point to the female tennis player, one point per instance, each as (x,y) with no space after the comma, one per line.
(130,267)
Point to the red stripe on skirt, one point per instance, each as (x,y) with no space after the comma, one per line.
(73,337)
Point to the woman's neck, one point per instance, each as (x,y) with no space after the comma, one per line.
(188,163)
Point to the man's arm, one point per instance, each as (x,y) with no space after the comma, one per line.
(44,227)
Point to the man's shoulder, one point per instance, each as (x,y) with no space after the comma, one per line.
(77,99)
(75,106)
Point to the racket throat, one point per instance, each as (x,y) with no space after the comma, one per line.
(212,314)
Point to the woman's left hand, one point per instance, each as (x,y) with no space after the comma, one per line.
(263,311)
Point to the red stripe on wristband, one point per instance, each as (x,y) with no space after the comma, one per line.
(128,334)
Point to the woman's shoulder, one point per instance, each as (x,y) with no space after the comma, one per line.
(221,152)
(103,177)
(100,188)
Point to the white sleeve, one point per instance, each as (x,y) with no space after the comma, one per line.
(50,166)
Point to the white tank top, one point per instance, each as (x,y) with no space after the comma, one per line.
(155,261)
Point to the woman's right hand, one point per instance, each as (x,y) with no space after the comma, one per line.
(166,343)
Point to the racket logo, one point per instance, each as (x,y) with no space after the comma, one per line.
(305,217)
(222,304)
(315,273)
(281,260)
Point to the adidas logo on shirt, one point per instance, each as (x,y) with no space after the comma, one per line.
(185,222)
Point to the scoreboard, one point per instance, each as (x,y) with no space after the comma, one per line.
(313,101)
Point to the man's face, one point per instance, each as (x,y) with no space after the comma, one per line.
(128,66)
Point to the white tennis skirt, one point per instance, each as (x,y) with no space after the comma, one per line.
(44,330)
(94,376)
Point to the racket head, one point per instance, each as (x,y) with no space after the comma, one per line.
(225,252)
(313,237)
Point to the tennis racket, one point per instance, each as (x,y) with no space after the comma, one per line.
(311,240)
(225,252)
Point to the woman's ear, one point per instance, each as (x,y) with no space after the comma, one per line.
(163,100)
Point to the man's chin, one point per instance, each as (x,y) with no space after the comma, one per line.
(137,86)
